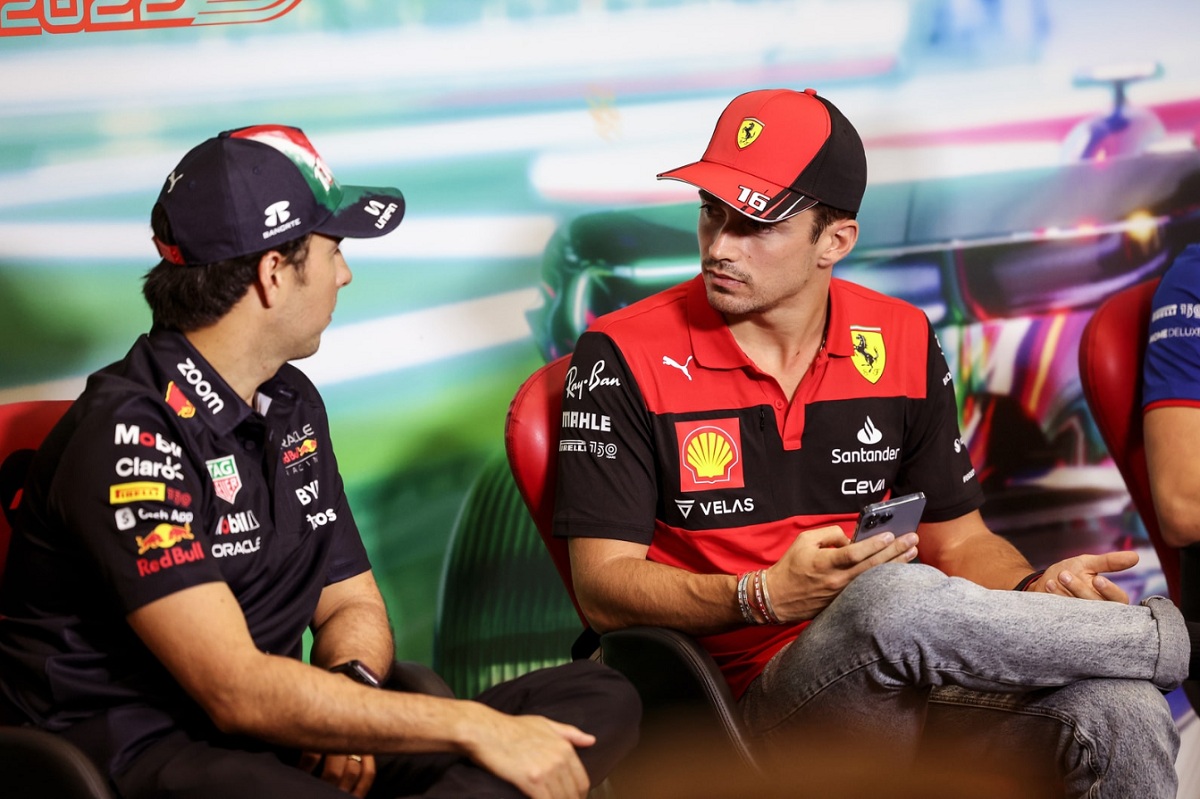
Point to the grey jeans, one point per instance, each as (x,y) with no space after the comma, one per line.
(905,649)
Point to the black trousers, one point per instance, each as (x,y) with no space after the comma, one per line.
(590,696)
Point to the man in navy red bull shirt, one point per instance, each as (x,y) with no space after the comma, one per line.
(186,523)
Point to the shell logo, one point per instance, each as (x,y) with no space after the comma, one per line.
(709,454)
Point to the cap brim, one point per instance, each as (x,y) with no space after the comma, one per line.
(730,186)
(364,213)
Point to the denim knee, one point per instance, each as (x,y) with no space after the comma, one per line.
(889,594)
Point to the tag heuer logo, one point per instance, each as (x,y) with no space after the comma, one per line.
(226,480)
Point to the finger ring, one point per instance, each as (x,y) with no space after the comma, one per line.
(355,758)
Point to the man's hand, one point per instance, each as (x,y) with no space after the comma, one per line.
(351,773)
(534,753)
(1081,577)
(820,563)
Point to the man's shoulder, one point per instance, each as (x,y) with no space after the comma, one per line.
(1183,275)
(292,378)
(665,307)
(860,298)
(114,400)
(858,305)
(647,323)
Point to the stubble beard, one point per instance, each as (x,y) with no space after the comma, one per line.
(723,300)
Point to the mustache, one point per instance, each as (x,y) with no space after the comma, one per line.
(723,268)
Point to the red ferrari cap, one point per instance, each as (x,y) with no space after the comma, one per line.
(777,152)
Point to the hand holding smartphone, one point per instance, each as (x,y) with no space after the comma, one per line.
(898,516)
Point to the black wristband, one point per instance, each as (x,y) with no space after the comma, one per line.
(359,672)
(1028,580)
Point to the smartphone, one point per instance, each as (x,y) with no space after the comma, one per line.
(898,515)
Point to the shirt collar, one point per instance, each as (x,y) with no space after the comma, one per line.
(837,325)
(191,386)
(712,342)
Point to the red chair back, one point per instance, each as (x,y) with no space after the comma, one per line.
(531,441)
(23,427)
(1111,353)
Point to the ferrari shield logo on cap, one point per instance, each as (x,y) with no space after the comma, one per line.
(870,354)
(748,131)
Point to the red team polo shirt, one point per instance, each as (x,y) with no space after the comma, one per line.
(671,437)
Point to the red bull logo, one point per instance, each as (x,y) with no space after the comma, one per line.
(709,454)
(175,556)
(306,448)
(164,536)
(179,402)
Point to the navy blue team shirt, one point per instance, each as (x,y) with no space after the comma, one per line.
(160,478)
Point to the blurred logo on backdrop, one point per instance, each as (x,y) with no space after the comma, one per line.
(35,17)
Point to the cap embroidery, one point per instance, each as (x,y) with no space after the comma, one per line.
(748,132)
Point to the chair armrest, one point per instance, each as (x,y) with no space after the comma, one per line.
(417,678)
(675,676)
(36,763)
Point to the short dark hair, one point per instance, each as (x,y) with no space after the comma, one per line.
(191,297)
(824,216)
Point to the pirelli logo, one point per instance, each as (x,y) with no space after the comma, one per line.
(123,493)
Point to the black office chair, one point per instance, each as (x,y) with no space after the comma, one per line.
(34,763)
(678,680)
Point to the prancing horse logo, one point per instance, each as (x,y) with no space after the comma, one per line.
(869,355)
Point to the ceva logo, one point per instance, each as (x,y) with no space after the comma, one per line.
(31,18)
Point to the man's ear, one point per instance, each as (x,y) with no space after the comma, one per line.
(270,278)
(842,235)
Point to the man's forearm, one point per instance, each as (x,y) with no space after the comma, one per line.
(293,704)
(356,632)
(627,591)
(964,547)
(351,623)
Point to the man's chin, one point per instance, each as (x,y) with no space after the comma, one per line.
(725,302)
(307,352)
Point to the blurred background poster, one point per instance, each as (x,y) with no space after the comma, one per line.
(1027,158)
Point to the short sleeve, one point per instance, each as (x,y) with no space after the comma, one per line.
(606,484)
(936,460)
(1171,373)
(128,490)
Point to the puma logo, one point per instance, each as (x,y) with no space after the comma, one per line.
(669,361)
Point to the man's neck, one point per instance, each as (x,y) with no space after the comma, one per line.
(784,342)
(236,356)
